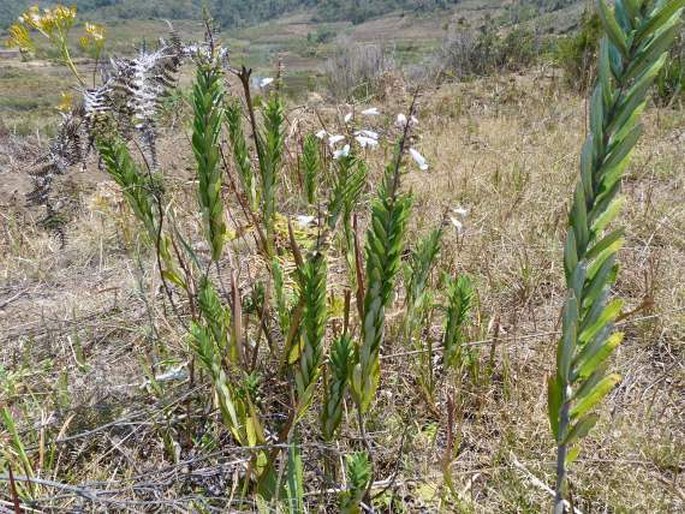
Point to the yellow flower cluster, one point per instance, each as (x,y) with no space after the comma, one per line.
(53,23)
(20,38)
(49,22)
(94,38)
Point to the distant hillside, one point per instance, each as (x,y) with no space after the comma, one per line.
(236,13)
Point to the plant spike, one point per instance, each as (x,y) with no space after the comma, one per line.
(241,155)
(136,187)
(270,148)
(358,471)
(311,162)
(313,329)
(347,188)
(459,297)
(207,105)
(420,265)
(638,35)
(419,301)
(339,363)
(384,245)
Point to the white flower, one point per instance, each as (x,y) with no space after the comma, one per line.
(348,117)
(366,141)
(367,133)
(344,152)
(332,140)
(304,221)
(420,160)
(401,121)
(373,111)
(457,224)
(265,82)
(321,134)
(460,211)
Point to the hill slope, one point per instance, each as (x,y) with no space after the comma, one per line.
(232,13)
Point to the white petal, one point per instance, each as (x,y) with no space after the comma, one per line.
(366,141)
(420,160)
(457,224)
(367,133)
(335,139)
(344,152)
(348,117)
(304,221)
(265,81)
(461,211)
(401,120)
(414,121)
(321,134)
(373,111)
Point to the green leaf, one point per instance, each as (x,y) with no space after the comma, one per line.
(620,151)
(612,28)
(604,73)
(577,279)
(586,162)
(587,384)
(554,401)
(622,16)
(580,429)
(603,220)
(295,480)
(568,343)
(595,396)
(609,315)
(572,455)
(597,112)
(579,219)
(654,50)
(612,241)
(595,354)
(598,280)
(657,19)
(570,253)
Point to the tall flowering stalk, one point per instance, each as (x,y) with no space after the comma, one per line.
(207,104)
(634,49)
(384,245)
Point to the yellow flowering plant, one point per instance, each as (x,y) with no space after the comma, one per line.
(93,41)
(55,24)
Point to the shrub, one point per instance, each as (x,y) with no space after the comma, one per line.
(577,54)
(355,70)
(468,53)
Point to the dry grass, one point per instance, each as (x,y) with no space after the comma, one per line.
(81,325)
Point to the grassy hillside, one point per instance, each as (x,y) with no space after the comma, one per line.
(235,13)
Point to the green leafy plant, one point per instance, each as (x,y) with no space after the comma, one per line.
(459,302)
(313,329)
(420,301)
(208,108)
(339,364)
(240,152)
(295,480)
(311,165)
(638,35)
(271,153)
(358,471)
(384,245)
